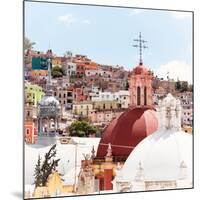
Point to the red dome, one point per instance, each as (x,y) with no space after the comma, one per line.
(141,69)
(127,131)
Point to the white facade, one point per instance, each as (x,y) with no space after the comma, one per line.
(70,68)
(162,160)
(122,97)
(99,72)
(187,116)
(187,113)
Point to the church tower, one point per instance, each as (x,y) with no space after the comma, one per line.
(140,81)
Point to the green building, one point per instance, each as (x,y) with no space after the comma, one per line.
(33,93)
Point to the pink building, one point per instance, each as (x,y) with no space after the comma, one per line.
(140,86)
(105,116)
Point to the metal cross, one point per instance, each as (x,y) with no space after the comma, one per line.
(140,45)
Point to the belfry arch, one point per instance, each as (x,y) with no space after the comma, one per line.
(138,96)
(145,95)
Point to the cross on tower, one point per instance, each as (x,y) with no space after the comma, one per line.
(140,45)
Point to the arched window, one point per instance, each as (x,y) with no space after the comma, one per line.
(27,131)
(138,96)
(145,95)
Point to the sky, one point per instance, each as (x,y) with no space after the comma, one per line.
(106,34)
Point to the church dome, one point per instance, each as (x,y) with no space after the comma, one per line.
(161,156)
(166,155)
(141,69)
(47,100)
(126,131)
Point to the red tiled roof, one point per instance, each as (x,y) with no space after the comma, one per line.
(127,131)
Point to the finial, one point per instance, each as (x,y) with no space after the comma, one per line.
(93,153)
(140,45)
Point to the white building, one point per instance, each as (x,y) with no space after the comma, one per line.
(69,68)
(99,72)
(122,97)
(187,105)
(162,160)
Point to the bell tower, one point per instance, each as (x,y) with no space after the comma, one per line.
(140,80)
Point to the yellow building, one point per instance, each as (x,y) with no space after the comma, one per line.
(82,108)
(56,61)
(105,105)
(54,187)
(187,129)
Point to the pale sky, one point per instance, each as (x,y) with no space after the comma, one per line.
(105,34)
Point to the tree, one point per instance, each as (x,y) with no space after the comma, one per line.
(178,85)
(127,85)
(37,174)
(184,86)
(190,88)
(28,44)
(82,129)
(57,72)
(49,164)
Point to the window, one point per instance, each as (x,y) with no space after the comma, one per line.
(145,95)
(28,113)
(27,131)
(138,96)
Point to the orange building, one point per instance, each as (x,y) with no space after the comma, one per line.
(82,64)
(30,132)
(37,73)
(30,123)
(79,94)
(56,61)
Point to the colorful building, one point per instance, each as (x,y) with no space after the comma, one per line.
(56,61)
(33,93)
(30,132)
(136,123)
(105,105)
(30,123)
(82,108)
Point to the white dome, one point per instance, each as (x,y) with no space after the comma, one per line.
(166,155)
(161,156)
(46,100)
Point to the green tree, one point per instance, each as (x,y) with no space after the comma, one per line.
(190,88)
(28,44)
(127,85)
(184,86)
(49,164)
(57,72)
(82,128)
(37,174)
(178,85)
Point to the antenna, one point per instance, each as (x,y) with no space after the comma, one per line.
(140,44)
